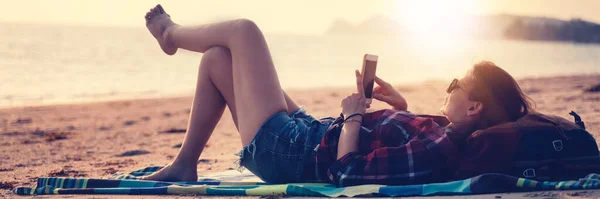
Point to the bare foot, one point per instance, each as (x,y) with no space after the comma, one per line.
(174,173)
(158,22)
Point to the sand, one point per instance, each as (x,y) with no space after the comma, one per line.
(99,139)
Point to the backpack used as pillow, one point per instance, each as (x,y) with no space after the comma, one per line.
(537,146)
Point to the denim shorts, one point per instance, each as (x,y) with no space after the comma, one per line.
(284,148)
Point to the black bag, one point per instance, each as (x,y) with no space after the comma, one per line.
(553,148)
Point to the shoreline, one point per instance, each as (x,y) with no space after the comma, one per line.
(287,89)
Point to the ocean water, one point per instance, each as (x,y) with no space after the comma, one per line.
(48,64)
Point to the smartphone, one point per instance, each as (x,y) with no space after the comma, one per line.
(368,75)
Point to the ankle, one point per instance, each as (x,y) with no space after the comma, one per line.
(185,162)
(168,34)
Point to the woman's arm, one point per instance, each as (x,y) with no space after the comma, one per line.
(348,138)
(353,109)
(423,159)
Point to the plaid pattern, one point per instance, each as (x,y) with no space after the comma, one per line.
(395,148)
(246,184)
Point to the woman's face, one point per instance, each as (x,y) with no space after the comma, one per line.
(457,107)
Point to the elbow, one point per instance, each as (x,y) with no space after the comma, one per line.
(339,171)
(337,180)
(336,176)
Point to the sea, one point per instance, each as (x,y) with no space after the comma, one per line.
(60,64)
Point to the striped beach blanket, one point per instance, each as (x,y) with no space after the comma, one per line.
(234,183)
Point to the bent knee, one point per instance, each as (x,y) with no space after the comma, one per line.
(216,61)
(217,53)
(246,25)
(246,30)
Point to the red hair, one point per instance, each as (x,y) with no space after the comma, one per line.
(502,98)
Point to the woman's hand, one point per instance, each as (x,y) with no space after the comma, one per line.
(355,103)
(385,92)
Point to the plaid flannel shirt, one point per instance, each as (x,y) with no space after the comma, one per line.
(395,148)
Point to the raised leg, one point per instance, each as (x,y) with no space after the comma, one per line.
(214,89)
(256,86)
(252,91)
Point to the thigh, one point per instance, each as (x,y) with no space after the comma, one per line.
(258,94)
(291,105)
(217,62)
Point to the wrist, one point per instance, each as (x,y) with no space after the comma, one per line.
(351,127)
(400,106)
(352,115)
(353,121)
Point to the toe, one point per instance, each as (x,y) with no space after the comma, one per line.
(161,9)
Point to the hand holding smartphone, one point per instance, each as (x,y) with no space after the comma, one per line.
(368,75)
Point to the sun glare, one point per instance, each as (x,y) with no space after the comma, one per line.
(439,18)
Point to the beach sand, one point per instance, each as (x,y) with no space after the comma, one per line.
(99,139)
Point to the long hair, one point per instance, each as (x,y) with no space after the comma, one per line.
(502,98)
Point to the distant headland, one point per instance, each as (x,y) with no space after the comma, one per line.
(513,27)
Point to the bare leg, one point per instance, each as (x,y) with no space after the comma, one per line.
(256,87)
(214,89)
(206,111)
(217,86)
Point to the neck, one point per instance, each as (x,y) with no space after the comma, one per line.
(459,133)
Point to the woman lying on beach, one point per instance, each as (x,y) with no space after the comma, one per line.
(283,144)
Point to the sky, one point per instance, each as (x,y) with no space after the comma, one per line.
(283,16)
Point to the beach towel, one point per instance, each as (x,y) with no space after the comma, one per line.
(234,183)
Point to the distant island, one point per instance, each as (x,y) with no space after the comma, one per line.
(513,27)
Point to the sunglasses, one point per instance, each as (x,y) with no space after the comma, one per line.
(453,86)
